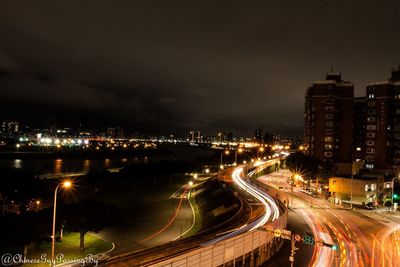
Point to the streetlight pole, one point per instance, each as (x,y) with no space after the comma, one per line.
(239,150)
(351,186)
(66,184)
(227,153)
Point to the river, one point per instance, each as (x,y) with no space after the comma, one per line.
(74,165)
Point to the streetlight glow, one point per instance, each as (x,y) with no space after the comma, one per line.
(67,184)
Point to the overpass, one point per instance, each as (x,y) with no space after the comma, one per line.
(242,245)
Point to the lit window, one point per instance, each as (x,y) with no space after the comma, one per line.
(373,187)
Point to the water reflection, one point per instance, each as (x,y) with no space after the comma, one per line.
(86,165)
(107,163)
(17,164)
(58,166)
(68,165)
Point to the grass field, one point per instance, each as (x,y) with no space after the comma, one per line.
(69,248)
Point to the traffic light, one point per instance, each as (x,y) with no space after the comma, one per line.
(396,189)
(308,240)
(334,247)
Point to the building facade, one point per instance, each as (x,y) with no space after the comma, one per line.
(328,120)
(9,128)
(382,135)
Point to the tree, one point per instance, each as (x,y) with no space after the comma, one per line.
(18,231)
(308,166)
(88,215)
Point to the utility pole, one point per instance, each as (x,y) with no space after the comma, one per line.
(351,190)
(291,195)
(293,250)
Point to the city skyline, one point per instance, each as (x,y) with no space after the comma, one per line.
(214,67)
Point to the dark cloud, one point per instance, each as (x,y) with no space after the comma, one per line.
(164,66)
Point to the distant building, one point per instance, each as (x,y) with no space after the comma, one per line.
(268,138)
(195,136)
(258,135)
(382,134)
(221,137)
(115,132)
(328,120)
(192,136)
(9,128)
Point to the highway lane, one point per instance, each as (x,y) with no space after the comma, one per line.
(268,205)
(253,216)
(362,241)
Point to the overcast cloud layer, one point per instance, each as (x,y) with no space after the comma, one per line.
(170,66)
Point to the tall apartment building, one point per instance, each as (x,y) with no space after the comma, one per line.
(382,137)
(328,120)
(359,129)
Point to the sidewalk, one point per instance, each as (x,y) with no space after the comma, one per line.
(382,215)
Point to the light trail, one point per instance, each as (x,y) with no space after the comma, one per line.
(271,208)
(170,221)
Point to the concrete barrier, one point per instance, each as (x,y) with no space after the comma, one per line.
(248,249)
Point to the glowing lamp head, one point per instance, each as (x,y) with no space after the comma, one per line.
(67,184)
(226,152)
(190,183)
(240,150)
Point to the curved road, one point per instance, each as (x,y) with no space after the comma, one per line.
(363,241)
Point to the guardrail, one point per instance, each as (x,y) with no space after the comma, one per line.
(248,249)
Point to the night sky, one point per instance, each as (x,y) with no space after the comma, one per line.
(171,66)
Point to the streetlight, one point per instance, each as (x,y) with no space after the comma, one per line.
(18,145)
(37,205)
(239,150)
(195,176)
(190,183)
(66,185)
(226,152)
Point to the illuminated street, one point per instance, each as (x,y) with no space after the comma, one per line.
(362,241)
(200,133)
